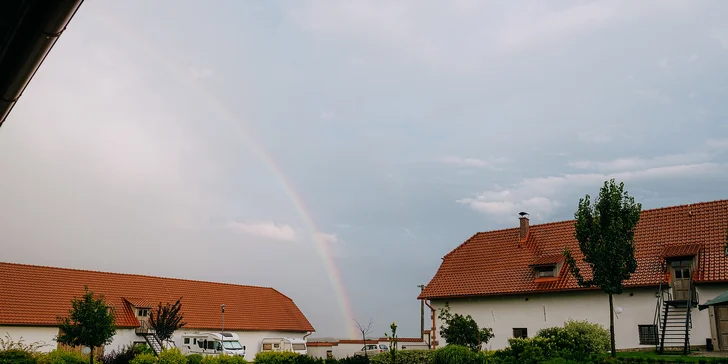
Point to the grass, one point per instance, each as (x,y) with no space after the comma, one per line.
(668,357)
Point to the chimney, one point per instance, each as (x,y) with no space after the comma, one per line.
(524,225)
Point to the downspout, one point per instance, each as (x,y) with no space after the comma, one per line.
(34,38)
(307,335)
(432,331)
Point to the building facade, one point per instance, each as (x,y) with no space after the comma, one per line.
(33,296)
(516,282)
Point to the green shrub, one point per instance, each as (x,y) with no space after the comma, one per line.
(455,354)
(223,359)
(359,359)
(62,357)
(305,359)
(125,354)
(405,357)
(281,357)
(16,356)
(144,359)
(171,356)
(590,338)
(193,359)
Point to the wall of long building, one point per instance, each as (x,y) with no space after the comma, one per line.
(538,311)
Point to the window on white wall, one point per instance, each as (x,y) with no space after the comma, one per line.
(648,334)
(520,332)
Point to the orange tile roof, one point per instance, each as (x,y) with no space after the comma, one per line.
(35,295)
(497,262)
(547,260)
(142,303)
(404,339)
(680,250)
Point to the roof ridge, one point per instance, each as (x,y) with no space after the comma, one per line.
(138,275)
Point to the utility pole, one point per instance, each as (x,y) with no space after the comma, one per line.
(422,313)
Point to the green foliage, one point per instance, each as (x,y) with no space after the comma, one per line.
(16,356)
(455,354)
(462,330)
(590,338)
(270,357)
(171,356)
(62,357)
(8,343)
(167,320)
(144,359)
(605,232)
(193,359)
(90,322)
(125,354)
(392,342)
(405,357)
(224,359)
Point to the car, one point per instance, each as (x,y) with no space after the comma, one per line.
(372,349)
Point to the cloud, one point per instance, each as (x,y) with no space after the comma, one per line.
(472,162)
(594,137)
(637,163)
(543,195)
(654,95)
(408,232)
(200,73)
(265,229)
(664,66)
(693,58)
(326,238)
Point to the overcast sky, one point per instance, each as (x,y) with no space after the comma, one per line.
(224,143)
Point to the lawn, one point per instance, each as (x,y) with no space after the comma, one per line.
(669,357)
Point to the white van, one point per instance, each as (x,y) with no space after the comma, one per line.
(284,344)
(211,343)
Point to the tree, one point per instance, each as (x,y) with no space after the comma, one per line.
(463,330)
(90,323)
(392,342)
(167,320)
(605,231)
(365,331)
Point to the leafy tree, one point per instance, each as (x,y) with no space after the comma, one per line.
(90,323)
(463,330)
(605,231)
(392,342)
(167,320)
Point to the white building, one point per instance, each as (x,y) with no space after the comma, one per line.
(338,349)
(32,297)
(515,280)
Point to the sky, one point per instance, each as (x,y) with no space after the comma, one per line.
(336,151)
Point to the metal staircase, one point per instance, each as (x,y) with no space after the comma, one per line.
(673,320)
(150,337)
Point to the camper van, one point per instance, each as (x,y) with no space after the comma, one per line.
(211,343)
(284,344)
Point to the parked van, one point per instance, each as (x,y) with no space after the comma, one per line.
(211,343)
(284,344)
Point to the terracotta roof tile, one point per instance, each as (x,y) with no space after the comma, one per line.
(498,262)
(142,302)
(680,250)
(34,295)
(548,260)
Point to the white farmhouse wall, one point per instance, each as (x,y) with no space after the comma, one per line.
(31,334)
(538,311)
(122,338)
(252,340)
(320,351)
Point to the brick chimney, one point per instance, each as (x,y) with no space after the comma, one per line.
(523,233)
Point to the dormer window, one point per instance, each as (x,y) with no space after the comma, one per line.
(143,312)
(546,271)
(546,268)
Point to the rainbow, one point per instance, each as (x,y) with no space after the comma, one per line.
(322,249)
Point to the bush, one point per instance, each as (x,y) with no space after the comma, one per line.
(144,359)
(193,359)
(62,357)
(171,356)
(16,356)
(405,357)
(359,359)
(125,354)
(305,359)
(223,359)
(591,338)
(269,357)
(530,351)
(455,354)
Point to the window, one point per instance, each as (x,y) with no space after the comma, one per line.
(201,344)
(546,271)
(187,340)
(520,333)
(143,312)
(648,334)
(299,347)
(383,347)
(211,345)
(232,345)
(267,346)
